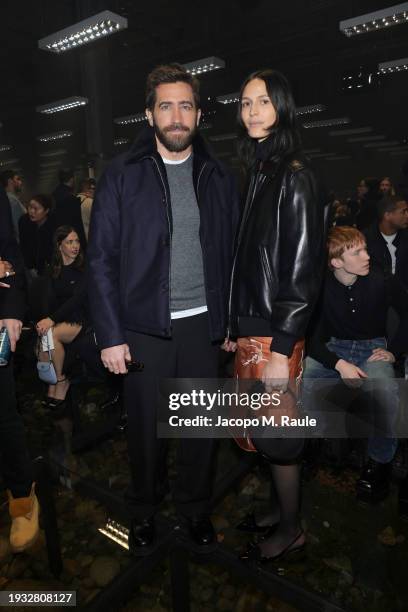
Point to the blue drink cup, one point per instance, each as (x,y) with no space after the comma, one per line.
(5,347)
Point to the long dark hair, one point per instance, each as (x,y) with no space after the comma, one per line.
(284,136)
(57,262)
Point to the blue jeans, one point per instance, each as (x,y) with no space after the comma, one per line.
(380,383)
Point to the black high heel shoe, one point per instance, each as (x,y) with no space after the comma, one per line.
(253,553)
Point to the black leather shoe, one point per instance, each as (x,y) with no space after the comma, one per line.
(202,531)
(374,482)
(142,536)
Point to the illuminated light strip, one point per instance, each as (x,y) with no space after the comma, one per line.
(62,105)
(121,141)
(208,64)
(362,130)
(377,20)
(221,137)
(54,153)
(372,145)
(5,148)
(130,119)
(312,108)
(228,98)
(390,149)
(84,32)
(54,136)
(7,162)
(365,138)
(398,65)
(326,122)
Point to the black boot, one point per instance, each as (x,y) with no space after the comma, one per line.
(374,482)
(142,536)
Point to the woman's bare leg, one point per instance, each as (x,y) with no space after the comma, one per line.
(63,333)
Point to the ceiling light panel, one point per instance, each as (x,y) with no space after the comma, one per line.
(362,130)
(398,65)
(7,162)
(228,98)
(372,145)
(62,105)
(208,64)
(377,20)
(222,137)
(326,122)
(393,148)
(121,141)
(54,153)
(366,138)
(55,136)
(138,118)
(84,32)
(312,108)
(5,148)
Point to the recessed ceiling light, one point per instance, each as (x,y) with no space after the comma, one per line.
(62,105)
(377,20)
(208,64)
(326,122)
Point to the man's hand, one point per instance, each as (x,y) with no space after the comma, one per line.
(380,354)
(114,358)
(44,325)
(13,327)
(275,375)
(6,269)
(350,373)
(229,346)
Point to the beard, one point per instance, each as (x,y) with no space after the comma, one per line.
(175,141)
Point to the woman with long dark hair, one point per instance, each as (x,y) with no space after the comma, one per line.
(67,304)
(275,282)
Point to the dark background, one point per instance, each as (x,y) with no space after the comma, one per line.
(300,38)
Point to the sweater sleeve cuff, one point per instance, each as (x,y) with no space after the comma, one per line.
(283,343)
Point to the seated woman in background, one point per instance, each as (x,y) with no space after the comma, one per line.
(35,232)
(67,306)
(386,187)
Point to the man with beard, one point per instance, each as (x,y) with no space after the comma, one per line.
(160,254)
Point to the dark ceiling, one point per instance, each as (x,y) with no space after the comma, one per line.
(300,38)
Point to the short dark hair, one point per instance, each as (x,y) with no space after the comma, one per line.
(170,73)
(65,174)
(6,176)
(44,200)
(285,131)
(388,204)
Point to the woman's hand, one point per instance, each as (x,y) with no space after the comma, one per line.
(275,375)
(380,354)
(229,346)
(351,374)
(44,325)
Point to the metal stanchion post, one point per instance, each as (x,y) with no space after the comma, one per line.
(48,513)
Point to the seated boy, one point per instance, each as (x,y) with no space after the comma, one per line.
(348,341)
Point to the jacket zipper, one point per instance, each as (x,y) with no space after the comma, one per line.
(245,214)
(170,235)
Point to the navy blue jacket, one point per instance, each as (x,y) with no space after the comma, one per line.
(12,300)
(130,242)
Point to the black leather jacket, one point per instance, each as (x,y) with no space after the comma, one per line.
(279,254)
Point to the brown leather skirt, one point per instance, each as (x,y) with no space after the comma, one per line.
(250,358)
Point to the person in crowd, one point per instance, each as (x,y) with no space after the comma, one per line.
(36,231)
(368,197)
(387,239)
(86,196)
(348,341)
(276,279)
(66,297)
(67,205)
(16,467)
(340,214)
(13,184)
(386,187)
(160,250)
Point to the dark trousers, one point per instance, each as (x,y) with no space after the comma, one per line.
(188,354)
(16,467)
